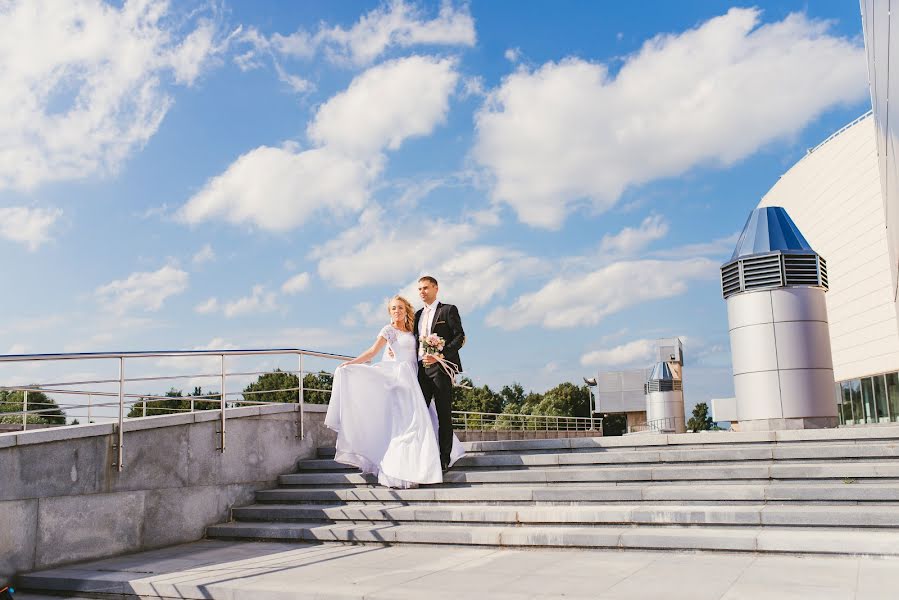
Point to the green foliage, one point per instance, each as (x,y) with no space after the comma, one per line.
(564,400)
(279,386)
(701,421)
(476,399)
(50,413)
(175,402)
(614,425)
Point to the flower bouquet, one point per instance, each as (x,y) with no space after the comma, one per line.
(432,344)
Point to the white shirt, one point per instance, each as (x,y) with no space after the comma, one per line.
(425,326)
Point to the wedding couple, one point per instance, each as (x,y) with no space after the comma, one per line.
(394,418)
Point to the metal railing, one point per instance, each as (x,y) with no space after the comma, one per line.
(92,389)
(664,425)
(109,399)
(481,421)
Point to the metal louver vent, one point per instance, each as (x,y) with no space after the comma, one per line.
(773,270)
(762,272)
(730,278)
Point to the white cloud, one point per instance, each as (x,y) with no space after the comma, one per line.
(570,133)
(368,314)
(29,226)
(473,277)
(279,189)
(512,54)
(719,248)
(207,307)
(143,291)
(386,105)
(17,349)
(631,240)
(585,299)
(637,352)
(83,84)
(379,252)
(203,255)
(259,301)
(296,284)
(394,24)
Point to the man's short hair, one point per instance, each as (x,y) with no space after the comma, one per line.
(429,279)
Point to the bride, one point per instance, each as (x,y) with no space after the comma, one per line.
(382,422)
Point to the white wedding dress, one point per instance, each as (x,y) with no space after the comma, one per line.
(382,422)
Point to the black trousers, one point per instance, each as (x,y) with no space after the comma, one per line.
(436,384)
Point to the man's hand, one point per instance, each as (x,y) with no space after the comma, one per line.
(429,359)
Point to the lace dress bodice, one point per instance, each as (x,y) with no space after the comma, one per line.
(401,342)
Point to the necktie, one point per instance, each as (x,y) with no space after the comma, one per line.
(427,323)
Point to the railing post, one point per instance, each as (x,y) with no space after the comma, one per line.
(223,403)
(303,399)
(90,398)
(145,407)
(25,410)
(120,450)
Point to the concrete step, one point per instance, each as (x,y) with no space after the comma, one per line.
(821,491)
(628,457)
(630,514)
(662,472)
(731,539)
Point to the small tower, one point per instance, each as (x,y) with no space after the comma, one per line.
(774,285)
(664,389)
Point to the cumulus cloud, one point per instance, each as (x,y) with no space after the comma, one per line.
(279,189)
(377,251)
(633,239)
(29,226)
(203,255)
(585,299)
(386,105)
(259,301)
(394,24)
(570,133)
(629,354)
(296,284)
(143,291)
(207,307)
(83,83)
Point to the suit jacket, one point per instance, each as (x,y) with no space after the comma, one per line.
(447,324)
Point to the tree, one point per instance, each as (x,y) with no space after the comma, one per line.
(700,421)
(280,386)
(564,400)
(476,399)
(175,402)
(50,413)
(614,425)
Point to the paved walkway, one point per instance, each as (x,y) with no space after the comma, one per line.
(274,571)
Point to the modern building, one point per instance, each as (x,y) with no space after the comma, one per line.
(835,196)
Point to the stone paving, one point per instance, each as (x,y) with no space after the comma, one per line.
(274,571)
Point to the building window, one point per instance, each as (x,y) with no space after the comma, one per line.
(892,381)
(855,388)
(880,399)
(846,404)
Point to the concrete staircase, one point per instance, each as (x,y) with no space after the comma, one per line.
(824,491)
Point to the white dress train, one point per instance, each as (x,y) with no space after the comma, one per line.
(382,422)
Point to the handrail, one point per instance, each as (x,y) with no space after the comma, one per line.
(658,425)
(841,130)
(222,397)
(479,421)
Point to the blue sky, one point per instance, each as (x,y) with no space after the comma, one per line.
(266,174)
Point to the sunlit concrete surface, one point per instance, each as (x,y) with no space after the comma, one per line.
(237,570)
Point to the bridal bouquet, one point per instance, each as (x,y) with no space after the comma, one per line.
(432,344)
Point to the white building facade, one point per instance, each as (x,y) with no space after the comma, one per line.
(835,196)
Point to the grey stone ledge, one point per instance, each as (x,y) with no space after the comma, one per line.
(57,434)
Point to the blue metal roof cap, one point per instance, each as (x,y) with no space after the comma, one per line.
(769,229)
(661,372)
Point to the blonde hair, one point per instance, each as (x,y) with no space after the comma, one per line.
(410,312)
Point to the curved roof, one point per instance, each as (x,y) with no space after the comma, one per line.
(769,229)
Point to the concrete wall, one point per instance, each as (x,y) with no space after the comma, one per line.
(61,501)
(834,197)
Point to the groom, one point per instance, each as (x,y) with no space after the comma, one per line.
(442,320)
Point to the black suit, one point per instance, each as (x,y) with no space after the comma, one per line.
(434,382)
